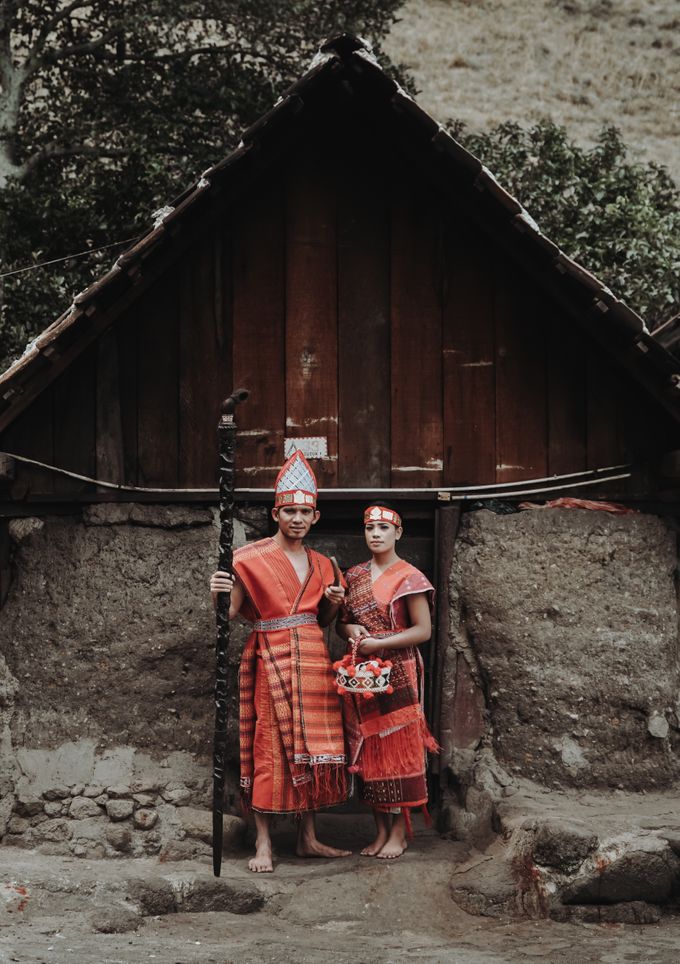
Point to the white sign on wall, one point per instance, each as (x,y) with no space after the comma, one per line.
(312,447)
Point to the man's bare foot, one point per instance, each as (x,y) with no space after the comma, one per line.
(372,849)
(311,847)
(262,862)
(394,847)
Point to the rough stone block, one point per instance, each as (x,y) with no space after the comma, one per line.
(144,819)
(119,790)
(561,845)
(53,830)
(176,793)
(119,809)
(28,804)
(54,808)
(82,807)
(673,838)
(175,850)
(56,793)
(119,838)
(145,786)
(198,824)
(6,809)
(21,530)
(93,790)
(18,825)
(170,517)
(107,514)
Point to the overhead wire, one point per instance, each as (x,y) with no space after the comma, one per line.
(68,257)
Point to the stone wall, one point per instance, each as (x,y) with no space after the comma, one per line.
(106,676)
(563,665)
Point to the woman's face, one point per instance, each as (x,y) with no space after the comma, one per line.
(381,536)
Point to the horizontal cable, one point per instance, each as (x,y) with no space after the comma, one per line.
(458,494)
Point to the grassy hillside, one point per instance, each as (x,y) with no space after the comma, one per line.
(584,63)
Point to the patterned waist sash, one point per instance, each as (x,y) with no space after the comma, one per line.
(284,622)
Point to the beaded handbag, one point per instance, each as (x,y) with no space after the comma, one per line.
(368,678)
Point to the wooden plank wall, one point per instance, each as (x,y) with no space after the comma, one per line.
(354,306)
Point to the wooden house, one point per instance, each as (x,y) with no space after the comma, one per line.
(383,298)
(379,294)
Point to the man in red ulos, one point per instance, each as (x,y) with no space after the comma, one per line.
(292,745)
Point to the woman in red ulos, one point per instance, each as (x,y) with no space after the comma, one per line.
(387,609)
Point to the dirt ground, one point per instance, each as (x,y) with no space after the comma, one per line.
(327,912)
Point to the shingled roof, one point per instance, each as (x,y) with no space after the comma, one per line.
(346,72)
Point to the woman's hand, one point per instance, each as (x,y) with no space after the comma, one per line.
(221,582)
(355,630)
(370,646)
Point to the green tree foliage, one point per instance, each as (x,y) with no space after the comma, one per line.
(619,219)
(109,108)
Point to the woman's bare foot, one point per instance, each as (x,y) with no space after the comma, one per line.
(396,842)
(262,862)
(394,847)
(372,849)
(383,828)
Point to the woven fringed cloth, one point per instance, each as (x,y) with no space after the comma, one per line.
(387,735)
(291,739)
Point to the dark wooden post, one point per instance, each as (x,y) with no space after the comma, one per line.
(226,433)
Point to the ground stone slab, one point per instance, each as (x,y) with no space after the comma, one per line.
(636,875)
(561,845)
(220,895)
(198,824)
(155,897)
(627,912)
(115,920)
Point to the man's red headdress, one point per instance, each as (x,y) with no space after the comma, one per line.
(296,482)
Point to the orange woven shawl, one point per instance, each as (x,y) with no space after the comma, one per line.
(296,664)
(381,608)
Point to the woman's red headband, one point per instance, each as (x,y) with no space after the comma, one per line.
(378,513)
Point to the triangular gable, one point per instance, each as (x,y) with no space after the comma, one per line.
(345,67)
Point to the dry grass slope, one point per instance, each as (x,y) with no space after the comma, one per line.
(583,63)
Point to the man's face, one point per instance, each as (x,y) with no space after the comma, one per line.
(295,521)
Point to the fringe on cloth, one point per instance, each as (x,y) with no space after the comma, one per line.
(323,786)
(399,752)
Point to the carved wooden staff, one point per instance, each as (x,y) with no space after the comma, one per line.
(226,435)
